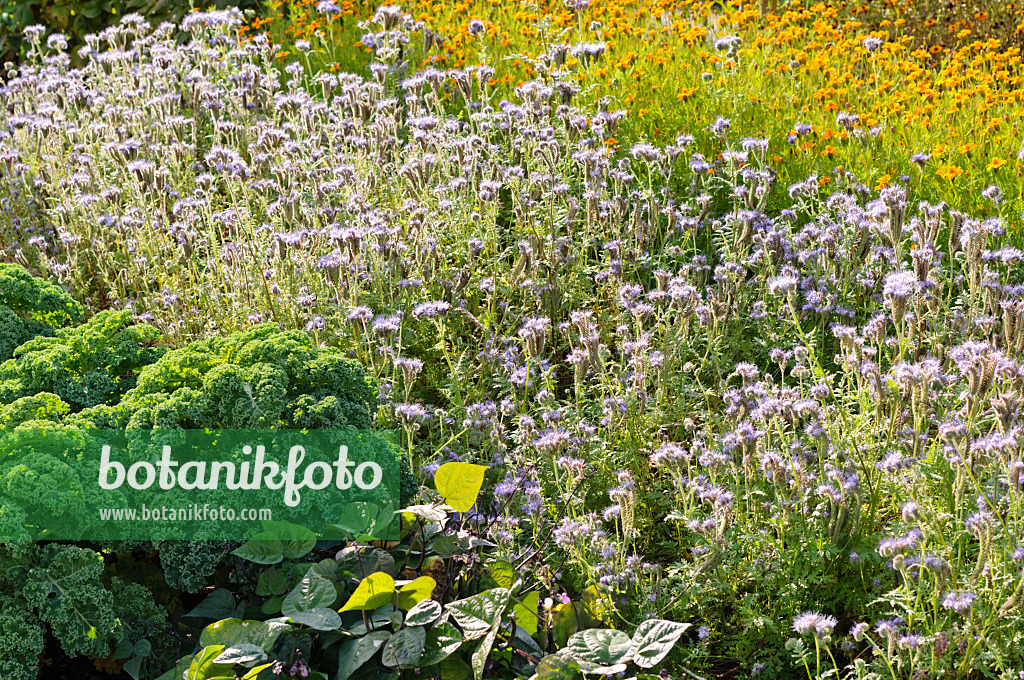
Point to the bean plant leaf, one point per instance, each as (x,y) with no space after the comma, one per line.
(259,551)
(597,669)
(454,668)
(479,658)
(442,640)
(480,613)
(460,484)
(415,592)
(559,666)
(204,667)
(405,648)
(320,618)
(220,604)
(653,640)
(313,592)
(296,541)
(430,513)
(423,612)
(272,582)
(600,646)
(373,591)
(354,653)
(526,613)
(234,632)
(243,653)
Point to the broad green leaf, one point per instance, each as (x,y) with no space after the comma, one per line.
(442,639)
(503,573)
(295,541)
(415,592)
(558,666)
(362,563)
(454,668)
(425,612)
(460,484)
(273,605)
(599,605)
(326,568)
(427,512)
(478,614)
(653,640)
(272,582)
(479,659)
(124,649)
(405,648)
(312,592)
(251,675)
(446,545)
(354,653)
(526,616)
(260,551)
(567,619)
(232,632)
(597,669)
(600,646)
(244,653)
(320,618)
(204,667)
(220,604)
(179,671)
(358,519)
(133,667)
(373,591)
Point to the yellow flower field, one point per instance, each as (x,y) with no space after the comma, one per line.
(804,64)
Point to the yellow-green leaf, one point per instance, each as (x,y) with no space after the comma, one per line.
(503,573)
(374,591)
(526,616)
(415,592)
(460,484)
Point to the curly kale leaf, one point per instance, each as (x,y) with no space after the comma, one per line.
(254,379)
(46,486)
(64,589)
(30,307)
(21,641)
(15,331)
(188,565)
(91,364)
(42,300)
(41,406)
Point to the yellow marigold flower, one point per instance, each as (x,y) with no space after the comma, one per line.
(995,164)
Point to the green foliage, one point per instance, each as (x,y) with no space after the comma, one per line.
(188,565)
(396,616)
(30,307)
(111,372)
(84,366)
(254,379)
(21,639)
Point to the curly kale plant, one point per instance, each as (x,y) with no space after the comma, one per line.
(255,379)
(110,372)
(30,307)
(91,364)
